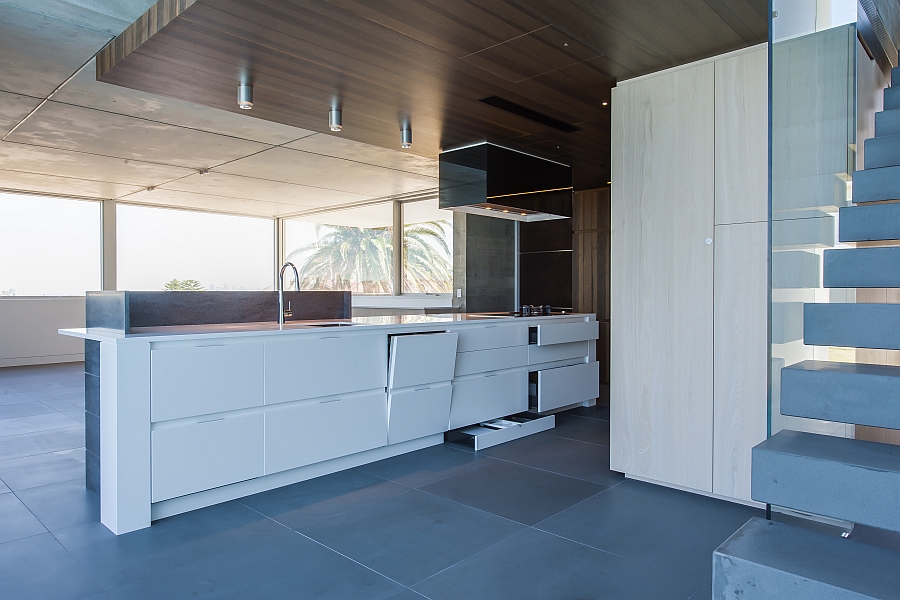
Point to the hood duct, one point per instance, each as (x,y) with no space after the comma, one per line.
(494,181)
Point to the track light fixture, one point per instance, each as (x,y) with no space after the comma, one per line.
(334,120)
(406,137)
(245,96)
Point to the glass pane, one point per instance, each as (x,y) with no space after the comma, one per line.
(160,249)
(427,248)
(343,250)
(48,246)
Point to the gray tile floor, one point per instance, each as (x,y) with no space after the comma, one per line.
(542,517)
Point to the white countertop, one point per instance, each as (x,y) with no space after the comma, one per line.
(219,330)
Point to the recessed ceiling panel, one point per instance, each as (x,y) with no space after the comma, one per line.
(85,90)
(85,130)
(13,107)
(541,51)
(38,53)
(337,147)
(108,16)
(373,215)
(263,190)
(50,161)
(194,201)
(65,186)
(304,168)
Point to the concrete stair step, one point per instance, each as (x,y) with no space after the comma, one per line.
(891,98)
(765,560)
(887,122)
(841,478)
(875,185)
(870,223)
(862,268)
(843,392)
(852,325)
(883,151)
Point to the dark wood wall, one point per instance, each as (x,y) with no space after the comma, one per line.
(590,264)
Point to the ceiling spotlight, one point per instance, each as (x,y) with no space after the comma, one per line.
(406,137)
(150,188)
(605,103)
(203,172)
(245,96)
(334,120)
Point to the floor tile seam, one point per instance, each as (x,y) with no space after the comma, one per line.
(480,459)
(26,537)
(33,432)
(481,510)
(698,589)
(67,426)
(485,549)
(28,508)
(563,437)
(343,512)
(315,541)
(562,537)
(572,506)
(43,484)
(43,453)
(549,471)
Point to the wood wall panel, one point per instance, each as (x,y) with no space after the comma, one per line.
(742,139)
(740,353)
(590,272)
(661,317)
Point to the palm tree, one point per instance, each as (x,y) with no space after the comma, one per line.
(361,259)
(184,285)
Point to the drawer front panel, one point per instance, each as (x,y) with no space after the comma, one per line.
(415,413)
(326,366)
(545,354)
(192,381)
(492,336)
(422,359)
(498,359)
(201,456)
(311,433)
(568,385)
(488,397)
(563,333)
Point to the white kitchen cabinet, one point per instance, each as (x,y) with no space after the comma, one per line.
(544,354)
(492,336)
(422,358)
(200,380)
(418,411)
(490,396)
(200,456)
(549,334)
(325,366)
(562,386)
(496,359)
(324,429)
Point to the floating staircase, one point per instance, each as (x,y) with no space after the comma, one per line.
(841,478)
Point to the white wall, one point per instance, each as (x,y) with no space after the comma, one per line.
(28,330)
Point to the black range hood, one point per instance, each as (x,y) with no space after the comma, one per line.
(494,181)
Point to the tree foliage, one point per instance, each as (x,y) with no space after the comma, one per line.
(184,285)
(361,259)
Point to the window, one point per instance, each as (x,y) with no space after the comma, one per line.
(48,246)
(343,250)
(427,248)
(161,248)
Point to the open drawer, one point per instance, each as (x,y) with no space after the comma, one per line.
(421,358)
(554,388)
(564,333)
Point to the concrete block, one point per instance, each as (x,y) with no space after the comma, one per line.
(862,268)
(875,185)
(870,223)
(852,325)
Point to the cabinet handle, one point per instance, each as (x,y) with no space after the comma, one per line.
(422,389)
(491,375)
(211,420)
(329,401)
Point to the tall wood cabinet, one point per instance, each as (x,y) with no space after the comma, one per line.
(689,273)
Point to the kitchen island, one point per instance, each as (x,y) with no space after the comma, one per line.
(195,415)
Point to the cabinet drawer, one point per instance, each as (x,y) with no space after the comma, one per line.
(192,381)
(325,366)
(488,397)
(497,359)
(422,358)
(200,456)
(311,433)
(417,412)
(545,354)
(492,336)
(563,333)
(567,385)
